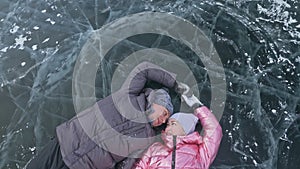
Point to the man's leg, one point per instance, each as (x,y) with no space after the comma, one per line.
(49,158)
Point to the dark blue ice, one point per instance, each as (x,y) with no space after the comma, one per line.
(257,41)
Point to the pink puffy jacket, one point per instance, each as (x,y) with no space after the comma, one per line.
(192,151)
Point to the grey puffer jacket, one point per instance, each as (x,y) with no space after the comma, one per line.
(100,136)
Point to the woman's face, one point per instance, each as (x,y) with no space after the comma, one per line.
(174,128)
(159,116)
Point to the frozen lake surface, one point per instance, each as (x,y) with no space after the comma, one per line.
(257,42)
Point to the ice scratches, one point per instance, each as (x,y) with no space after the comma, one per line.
(53,32)
(244,155)
(281,12)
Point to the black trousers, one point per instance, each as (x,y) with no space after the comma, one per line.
(49,158)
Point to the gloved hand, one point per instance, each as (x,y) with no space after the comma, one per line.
(182,88)
(191,101)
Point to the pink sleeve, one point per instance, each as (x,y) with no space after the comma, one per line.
(212,135)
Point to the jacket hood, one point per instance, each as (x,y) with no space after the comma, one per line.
(193,138)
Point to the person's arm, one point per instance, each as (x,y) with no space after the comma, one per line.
(147,71)
(126,163)
(212,135)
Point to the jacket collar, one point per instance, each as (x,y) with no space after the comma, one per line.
(193,138)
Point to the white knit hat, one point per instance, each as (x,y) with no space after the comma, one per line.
(188,121)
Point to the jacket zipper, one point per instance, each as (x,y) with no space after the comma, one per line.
(174,152)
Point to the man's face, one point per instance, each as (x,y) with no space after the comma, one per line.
(159,116)
(174,128)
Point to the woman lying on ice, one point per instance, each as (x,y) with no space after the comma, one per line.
(182,147)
